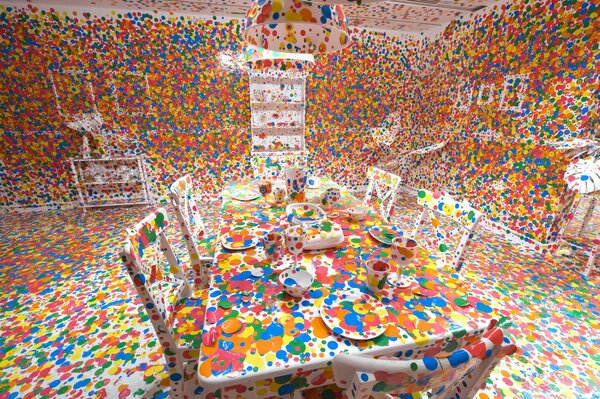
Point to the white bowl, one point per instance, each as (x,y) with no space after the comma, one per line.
(357,213)
(296,281)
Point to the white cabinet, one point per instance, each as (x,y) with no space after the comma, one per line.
(111,181)
(277,103)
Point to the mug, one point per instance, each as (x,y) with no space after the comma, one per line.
(273,243)
(377,272)
(331,197)
(295,181)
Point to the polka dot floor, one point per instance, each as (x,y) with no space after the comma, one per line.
(72,325)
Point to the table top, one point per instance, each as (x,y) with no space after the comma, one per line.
(262,332)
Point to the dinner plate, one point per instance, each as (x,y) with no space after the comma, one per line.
(244,195)
(355,315)
(239,239)
(304,213)
(385,234)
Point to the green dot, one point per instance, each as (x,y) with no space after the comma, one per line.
(461,302)
(414,366)
(223,303)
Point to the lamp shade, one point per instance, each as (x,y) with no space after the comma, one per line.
(261,59)
(296,26)
(583,175)
(347,2)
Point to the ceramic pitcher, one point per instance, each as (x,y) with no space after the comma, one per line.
(295,182)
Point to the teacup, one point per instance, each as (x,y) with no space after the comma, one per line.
(357,213)
(377,272)
(331,197)
(273,244)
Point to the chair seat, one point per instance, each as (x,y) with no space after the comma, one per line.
(189,315)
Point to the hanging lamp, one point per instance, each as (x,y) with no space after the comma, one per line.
(296,27)
(261,59)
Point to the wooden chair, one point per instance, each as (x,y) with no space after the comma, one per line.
(457,376)
(164,293)
(435,205)
(592,253)
(198,241)
(383,187)
(272,166)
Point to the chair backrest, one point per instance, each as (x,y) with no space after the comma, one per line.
(192,227)
(159,287)
(435,204)
(273,166)
(383,186)
(458,375)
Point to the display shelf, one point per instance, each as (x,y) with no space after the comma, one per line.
(110,181)
(291,106)
(261,103)
(279,131)
(278,112)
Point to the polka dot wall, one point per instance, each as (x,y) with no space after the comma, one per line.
(500,87)
(192,116)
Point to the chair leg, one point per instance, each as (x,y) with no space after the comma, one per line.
(176,370)
(590,263)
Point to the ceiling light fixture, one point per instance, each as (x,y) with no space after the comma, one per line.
(296,27)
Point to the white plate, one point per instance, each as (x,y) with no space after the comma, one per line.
(237,240)
(376,233)
(317,214)
(350,306)
(245,195)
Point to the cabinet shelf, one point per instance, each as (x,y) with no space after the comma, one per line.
(278,106)
(93,183)
(277,103)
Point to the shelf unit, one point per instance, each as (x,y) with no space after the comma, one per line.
(111,181)
(277,103)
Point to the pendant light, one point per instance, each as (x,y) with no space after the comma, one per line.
(296,27)
(261,59)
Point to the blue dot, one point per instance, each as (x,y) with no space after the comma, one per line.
(430,363)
